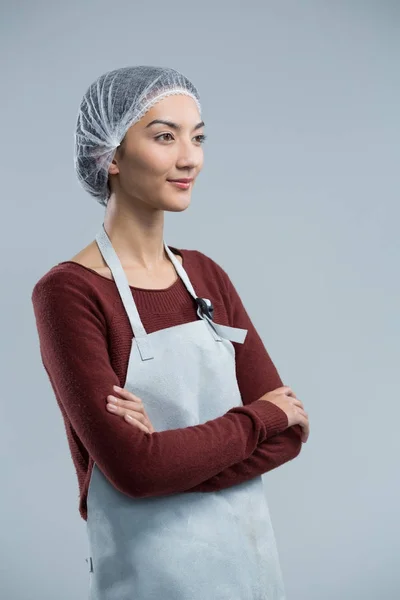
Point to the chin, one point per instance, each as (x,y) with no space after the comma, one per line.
(176,205)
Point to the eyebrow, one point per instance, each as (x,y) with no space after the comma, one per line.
(173,125)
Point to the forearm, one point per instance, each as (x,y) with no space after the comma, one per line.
(268,455)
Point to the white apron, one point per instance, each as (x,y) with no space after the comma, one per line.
(186,546)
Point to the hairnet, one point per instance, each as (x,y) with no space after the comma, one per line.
(112,104)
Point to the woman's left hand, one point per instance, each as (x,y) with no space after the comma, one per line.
(131,408)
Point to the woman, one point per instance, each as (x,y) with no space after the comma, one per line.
(169,464)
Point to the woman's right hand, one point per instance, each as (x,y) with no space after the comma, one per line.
(286,399)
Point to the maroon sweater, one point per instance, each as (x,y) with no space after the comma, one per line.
(85,340)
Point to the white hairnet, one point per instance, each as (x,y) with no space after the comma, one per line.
(112,103)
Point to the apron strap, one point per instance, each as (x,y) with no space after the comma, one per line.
(112,260)
(181,272)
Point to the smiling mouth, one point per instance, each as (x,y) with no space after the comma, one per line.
(182,179)
(180,184)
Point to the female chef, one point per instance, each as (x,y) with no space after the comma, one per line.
(173,409)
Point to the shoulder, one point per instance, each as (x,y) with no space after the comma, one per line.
(67,306)
(69,291)
(60,278)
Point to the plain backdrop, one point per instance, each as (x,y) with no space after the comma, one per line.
(298,201)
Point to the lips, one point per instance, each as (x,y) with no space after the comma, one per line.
(181,180)
(180,184)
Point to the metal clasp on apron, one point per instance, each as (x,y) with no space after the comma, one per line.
(205,310)
(206,306)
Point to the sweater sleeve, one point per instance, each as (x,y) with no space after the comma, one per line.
(256,375)
(72,333)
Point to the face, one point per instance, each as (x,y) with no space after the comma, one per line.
(153,154)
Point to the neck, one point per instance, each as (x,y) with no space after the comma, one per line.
(136,232)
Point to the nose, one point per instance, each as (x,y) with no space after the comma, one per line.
(190,157)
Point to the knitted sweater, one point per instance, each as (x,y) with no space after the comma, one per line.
(85,339)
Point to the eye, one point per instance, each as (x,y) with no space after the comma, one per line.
(162,135)
(200,138)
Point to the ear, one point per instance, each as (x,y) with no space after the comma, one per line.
(113,168)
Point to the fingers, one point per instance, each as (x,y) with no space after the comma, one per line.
(126,395)
(289,392)
(298,404)
(305,426)
(121,410)
(302,414)
(128,404)
(127,400)
(136,422)
(131,409)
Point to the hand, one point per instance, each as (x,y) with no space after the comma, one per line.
(131,408)
(286,399)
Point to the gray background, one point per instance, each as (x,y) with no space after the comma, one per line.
(298,200)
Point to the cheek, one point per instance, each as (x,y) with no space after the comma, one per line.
(149,159)
(158,160)
(143,173)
